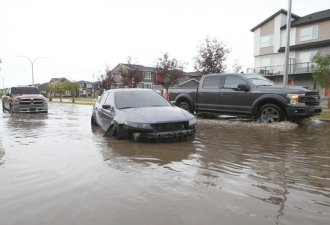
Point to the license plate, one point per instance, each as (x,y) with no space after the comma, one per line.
(32,109)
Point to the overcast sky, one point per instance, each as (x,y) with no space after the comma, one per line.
(79,37)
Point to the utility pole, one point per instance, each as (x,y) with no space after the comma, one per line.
(287,46)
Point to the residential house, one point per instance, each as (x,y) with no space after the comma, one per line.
(87,88)
(308,34)
(41,88)
(55,81)
(191,75)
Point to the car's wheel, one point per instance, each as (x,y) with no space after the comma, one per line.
(93,121)
(270,113)
(185,106)
(121,132)
(11,109)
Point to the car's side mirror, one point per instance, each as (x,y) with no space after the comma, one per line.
(106,106)
(242,87)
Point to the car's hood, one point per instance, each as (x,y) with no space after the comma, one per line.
(154,115)
(281,89)
(28,96)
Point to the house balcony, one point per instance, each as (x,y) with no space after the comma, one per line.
(296,68)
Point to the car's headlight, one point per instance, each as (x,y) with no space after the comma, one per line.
(44,100)
(294,98)
(138,125)
(192,122)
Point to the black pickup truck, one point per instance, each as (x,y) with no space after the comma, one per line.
(249,95)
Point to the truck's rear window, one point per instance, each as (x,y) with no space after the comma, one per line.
(24,90)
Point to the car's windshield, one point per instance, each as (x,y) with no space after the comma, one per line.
(259,80)
(24,90)
(134,99)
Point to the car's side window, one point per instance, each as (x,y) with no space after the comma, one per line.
(211,82)
(109,100)
(104,97)
(233,82)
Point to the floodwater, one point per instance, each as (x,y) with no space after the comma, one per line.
(57,169)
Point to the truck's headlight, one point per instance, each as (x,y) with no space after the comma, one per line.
(44,100)
(192,122)
(138,125)
(16,102)
(294,98)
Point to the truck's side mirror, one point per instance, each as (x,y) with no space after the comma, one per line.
(242,87)
(8,94)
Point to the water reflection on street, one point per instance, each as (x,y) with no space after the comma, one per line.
(57,169)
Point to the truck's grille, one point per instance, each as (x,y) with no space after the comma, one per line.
(311,98)
(31,101)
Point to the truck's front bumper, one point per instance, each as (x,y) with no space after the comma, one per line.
(303,111)
(30,108)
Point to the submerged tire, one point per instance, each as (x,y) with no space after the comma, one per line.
(3,108)
(11,109)
(93,122)
(270,113)
(121,132)
(185,106)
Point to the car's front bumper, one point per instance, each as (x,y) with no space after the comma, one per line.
(163,135)
(303,111)
(30,108)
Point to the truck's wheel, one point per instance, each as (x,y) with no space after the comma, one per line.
(185,106)
(121,132)
(11,109)
(270,113)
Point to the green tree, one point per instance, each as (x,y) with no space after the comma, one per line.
(237,67)
(321,71)
(60,89)
(49,88)
(71,87)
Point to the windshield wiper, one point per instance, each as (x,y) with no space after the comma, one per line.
(126,107)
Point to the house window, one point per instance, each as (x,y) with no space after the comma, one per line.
(305,58)
(266,41)
(145,85)
(308,33)
(147,75)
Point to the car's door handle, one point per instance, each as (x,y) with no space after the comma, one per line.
(201,93)
(223,94)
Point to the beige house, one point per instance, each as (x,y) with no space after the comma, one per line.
(308,35)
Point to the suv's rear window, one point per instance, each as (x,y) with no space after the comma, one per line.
(24,90)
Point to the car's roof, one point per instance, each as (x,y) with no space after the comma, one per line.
(130,90)
(226,74)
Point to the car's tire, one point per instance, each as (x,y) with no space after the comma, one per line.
(270,113)
(3,108)
(186,106)
(93,122)
(121,132)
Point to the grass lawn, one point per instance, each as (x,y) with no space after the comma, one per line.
(78,99)
(325,114)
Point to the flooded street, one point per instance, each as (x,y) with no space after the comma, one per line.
(57,169)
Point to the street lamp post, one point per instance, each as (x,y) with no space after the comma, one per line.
(32,63)
(3,83)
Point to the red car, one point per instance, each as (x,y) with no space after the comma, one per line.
(24,99)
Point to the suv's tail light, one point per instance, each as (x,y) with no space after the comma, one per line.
(168,95)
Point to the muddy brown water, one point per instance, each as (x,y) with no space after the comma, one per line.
(57,169)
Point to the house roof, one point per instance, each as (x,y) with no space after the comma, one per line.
(142,68)
(183,81)
(307,45)
(311,18)
(57,79)
(83,81)
(272,16)
(193,74)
